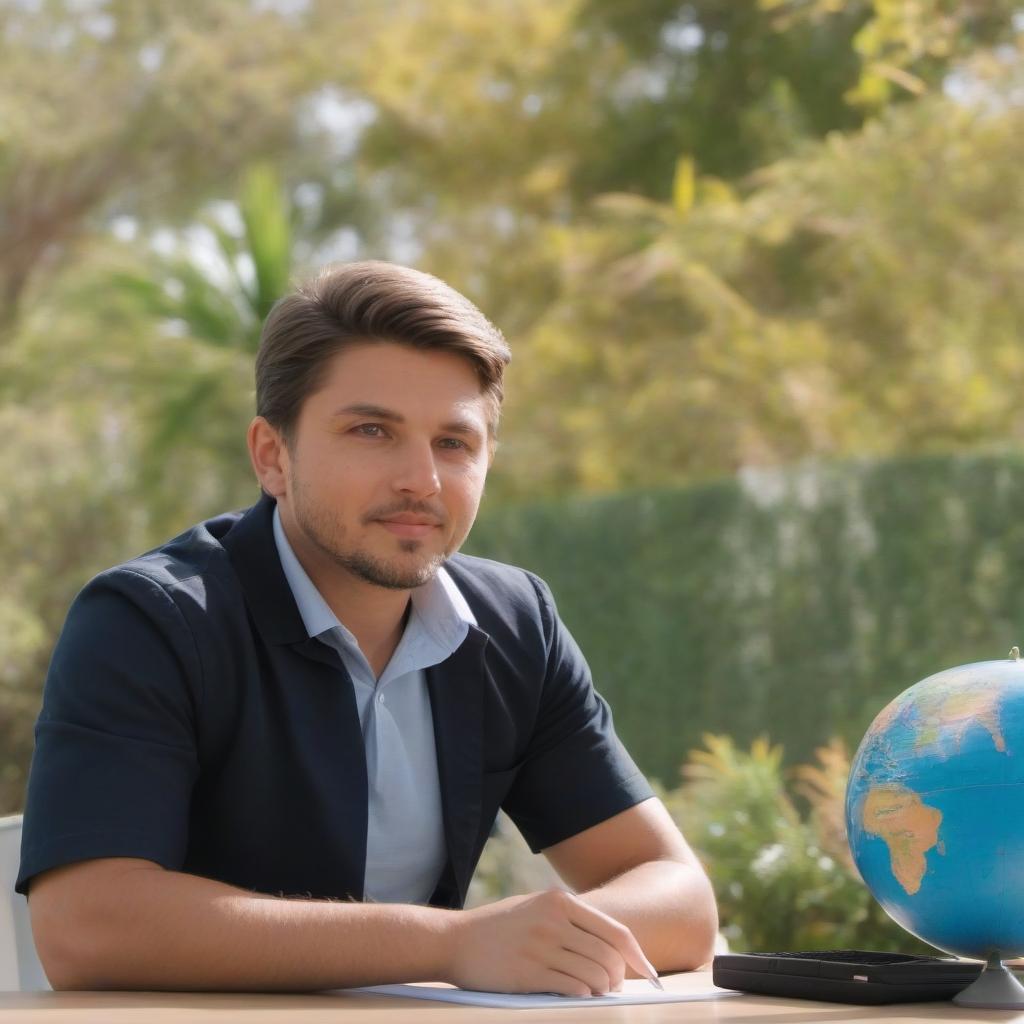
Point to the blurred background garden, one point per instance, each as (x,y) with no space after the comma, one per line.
(759,263)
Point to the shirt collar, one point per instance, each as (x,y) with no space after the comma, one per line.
(439,604)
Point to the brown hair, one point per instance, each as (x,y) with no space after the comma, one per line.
(351,303)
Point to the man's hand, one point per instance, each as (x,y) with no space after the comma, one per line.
(637,868)
(545,942)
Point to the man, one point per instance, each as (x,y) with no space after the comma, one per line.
(271,751)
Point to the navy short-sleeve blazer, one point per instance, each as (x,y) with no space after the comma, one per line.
(188,719)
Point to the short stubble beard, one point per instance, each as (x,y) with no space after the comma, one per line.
(321,529)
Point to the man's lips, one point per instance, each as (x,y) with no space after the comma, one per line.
(409,526)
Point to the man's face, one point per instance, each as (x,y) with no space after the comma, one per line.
(387,464)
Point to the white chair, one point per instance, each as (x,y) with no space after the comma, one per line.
(20,969)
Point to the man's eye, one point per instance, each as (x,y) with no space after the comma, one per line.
(453,443)
(369,430)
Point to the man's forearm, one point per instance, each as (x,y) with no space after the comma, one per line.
(166,930)
(668,906)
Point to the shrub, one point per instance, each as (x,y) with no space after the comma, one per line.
(773,841)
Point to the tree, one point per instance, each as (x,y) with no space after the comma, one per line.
(853,299)
(907,48)
(115,108)
(202,297)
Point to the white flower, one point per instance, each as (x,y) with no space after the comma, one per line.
(769,861)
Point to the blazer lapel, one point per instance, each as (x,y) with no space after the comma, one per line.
(456,698)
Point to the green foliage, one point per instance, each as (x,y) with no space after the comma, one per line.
(906,47)
(66,516)
(527,100)
(141,109)
(201,300)
(705,256)
(794,602)
(268,235)
(772,840)
(782,880)
(218,281)
(822,311)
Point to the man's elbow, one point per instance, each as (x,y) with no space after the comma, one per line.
(68,973)
(705,939)
(68,948)
(71,945)
(698,931)
(75,928)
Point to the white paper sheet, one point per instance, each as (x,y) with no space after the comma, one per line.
(633,991)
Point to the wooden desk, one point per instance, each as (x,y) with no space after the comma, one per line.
(322,1008)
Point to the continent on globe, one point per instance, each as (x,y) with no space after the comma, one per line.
(907,826)
(947,712)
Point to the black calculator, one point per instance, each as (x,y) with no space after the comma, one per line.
(845,975)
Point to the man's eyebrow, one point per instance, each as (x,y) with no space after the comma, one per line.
(377,412)
(462,427)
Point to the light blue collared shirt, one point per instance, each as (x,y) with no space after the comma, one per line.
(405,845)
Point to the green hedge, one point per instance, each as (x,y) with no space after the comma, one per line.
(793,603)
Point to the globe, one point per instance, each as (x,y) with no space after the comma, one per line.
(935,809)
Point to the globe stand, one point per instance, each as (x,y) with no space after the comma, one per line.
(995,988)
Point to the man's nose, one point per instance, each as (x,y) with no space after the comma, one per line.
(417,471)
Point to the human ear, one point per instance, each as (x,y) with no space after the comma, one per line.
(268,453)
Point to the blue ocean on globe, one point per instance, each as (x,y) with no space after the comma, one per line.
(935,809)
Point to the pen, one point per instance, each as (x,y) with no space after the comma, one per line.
(652,975)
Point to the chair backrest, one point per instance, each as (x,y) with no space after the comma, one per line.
(20,969)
